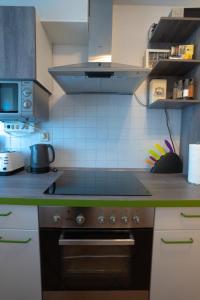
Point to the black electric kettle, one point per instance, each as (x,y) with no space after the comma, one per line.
(40,158)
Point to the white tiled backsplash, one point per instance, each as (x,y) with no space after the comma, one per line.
(103,130)
(100,131)
(106,131)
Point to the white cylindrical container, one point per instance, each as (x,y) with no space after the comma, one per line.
(194,164)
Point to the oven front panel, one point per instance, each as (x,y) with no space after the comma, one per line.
(85,217)
(96,260)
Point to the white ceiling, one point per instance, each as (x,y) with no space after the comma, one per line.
(181,3)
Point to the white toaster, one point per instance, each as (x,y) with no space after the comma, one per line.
(11,162)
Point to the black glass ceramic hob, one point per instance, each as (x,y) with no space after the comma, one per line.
(99,183)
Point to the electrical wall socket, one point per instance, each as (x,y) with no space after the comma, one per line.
(19,127)
(44,136)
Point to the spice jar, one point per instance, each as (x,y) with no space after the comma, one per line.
(191,89)
(175,88)
(186,89)
(180,89)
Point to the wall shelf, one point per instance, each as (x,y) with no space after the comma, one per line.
(173,104)
(173,67)
(174,30)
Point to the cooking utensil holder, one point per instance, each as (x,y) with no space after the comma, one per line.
(168,163)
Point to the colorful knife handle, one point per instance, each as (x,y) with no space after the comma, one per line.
(149,162)
(169,146)
(153,158)
(154,154)
(160,149)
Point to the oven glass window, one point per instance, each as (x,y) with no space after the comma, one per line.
(105,266)
(96,267)
(8,97)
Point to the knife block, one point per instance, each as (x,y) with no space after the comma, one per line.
(168,163)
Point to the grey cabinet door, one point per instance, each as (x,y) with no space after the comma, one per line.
(17,42)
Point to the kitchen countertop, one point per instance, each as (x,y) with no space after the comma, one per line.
(168,190)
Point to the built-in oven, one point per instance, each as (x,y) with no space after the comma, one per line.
(90,253)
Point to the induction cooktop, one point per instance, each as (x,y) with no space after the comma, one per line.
(98,183)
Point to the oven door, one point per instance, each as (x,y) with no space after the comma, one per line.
(97,260)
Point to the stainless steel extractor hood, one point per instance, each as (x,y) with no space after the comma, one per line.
(99,74)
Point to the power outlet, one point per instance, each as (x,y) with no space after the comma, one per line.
(19,127)
(44,136)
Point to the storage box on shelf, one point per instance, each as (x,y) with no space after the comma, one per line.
(169,32)
(152,56)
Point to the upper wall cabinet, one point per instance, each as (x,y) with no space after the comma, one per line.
(25,51)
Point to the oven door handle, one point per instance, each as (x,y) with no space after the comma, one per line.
(96,242)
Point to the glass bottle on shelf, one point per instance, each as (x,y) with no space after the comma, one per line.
(180,89)
(191,89)
(175,89)
(186,89)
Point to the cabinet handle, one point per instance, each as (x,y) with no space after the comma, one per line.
(189,216)
(6,214)
(15,241)
(190,241)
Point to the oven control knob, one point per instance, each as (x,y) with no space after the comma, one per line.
(80,220)
(27,92)
(27,104)
(101,219)
(56,219)
(124,220)
(112,220)
(136,219)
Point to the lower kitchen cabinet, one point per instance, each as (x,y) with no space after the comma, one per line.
(176,265)
(19,265)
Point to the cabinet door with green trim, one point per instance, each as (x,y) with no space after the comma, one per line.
(20,265)
(176,265)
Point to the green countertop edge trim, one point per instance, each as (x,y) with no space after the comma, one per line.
(99,203)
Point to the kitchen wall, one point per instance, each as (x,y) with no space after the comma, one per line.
(106,130)
(67,10)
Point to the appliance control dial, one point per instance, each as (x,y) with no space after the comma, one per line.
(136,219)
(112,220)
(27,104)
(101,219)
(124,220)
(56,218)
(80,220)
(27,92)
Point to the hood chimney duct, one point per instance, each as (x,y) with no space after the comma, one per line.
(100,30)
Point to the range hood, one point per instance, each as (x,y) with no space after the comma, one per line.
(99,74)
